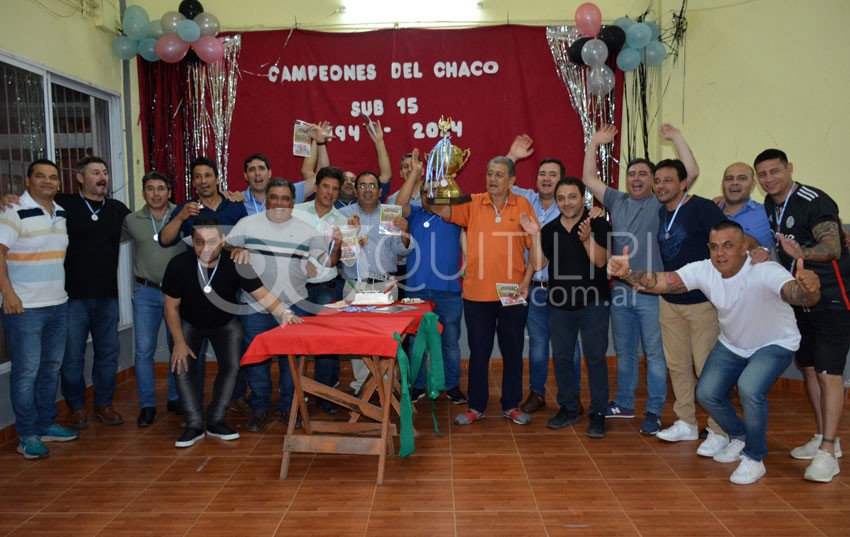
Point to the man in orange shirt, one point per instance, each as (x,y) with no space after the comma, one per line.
(496,247)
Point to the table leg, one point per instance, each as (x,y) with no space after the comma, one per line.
(387,396)
(298,405)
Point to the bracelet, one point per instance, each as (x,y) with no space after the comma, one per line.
(322,143)
(629,273)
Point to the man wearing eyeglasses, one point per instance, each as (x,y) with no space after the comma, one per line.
(376,261)
(758,334)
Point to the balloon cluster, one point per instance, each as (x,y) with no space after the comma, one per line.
(629,42)
(170,37)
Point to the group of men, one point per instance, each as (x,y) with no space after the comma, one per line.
(267,256)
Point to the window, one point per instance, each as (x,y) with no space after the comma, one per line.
(46,115)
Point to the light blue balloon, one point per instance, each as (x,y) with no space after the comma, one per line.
(638,35)
(124,47)
(628,59)
(147,49)
(656,31)
(654,53)
(136,10)
(189,31)
(155,29)
(624,22)
(135,26)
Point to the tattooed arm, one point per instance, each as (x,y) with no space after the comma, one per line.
(660,283)
(828,246)
(804,290)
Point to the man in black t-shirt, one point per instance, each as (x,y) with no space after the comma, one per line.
(200,289)
(575,248)
(805,220)
(91,279)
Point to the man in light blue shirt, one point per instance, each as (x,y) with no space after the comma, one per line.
(738,185)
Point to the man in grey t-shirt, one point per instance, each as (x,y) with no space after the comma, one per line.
(634,315)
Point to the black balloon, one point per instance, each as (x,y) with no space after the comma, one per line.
(190,8)
(192,56)
(575,50)
(614,37)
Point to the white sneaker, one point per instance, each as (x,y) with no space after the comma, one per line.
(807,451)
(823,468)
(714,444)
(732,452)
(748,471)
(679,431)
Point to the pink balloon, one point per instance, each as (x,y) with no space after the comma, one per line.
(588,19)
(208,48)
(171,49)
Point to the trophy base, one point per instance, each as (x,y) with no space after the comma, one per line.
(458,200)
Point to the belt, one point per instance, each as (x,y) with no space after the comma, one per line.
(330,284)
(148,283)
(544,285)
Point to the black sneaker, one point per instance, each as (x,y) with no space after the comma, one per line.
(703,433)
(221,430)
(456,396)
(146,416)
(256,422)
(327,407)
(284,417)
(416,394)
(190,437)
(562,419)
(596,429)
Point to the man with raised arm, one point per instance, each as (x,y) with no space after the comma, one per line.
(758,334)
(634,316)
(348,191)
(435,263)
(805,220)
(496,248)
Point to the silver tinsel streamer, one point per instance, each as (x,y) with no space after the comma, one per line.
(212,98)
(592,110)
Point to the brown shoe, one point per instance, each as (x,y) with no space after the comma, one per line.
(107,415)
(240,406)
(79,419)
(535,402)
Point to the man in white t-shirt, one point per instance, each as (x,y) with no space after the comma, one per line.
(758,334)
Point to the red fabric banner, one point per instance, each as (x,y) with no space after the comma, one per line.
(494,82)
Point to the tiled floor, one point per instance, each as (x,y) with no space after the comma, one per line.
(491,478)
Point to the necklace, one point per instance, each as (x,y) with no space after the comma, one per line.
(156,229)
(499,211)
(780,214)
(676,212)
(427,223)
(207,283)
(94,216)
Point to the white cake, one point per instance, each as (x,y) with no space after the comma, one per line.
(372,298)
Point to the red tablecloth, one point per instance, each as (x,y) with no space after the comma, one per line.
(337,332)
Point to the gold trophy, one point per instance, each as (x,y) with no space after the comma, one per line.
(444,162)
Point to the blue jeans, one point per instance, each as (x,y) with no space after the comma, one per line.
(326,366)
(147,318)
(36,341)
(484,321)
(565,326)
(754,376)
(538,343)
(634,319)
(449,309)
(100,317)
(259,375)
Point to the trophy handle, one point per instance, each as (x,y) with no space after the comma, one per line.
(466,153)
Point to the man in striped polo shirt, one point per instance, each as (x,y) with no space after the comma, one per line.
(33,239)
